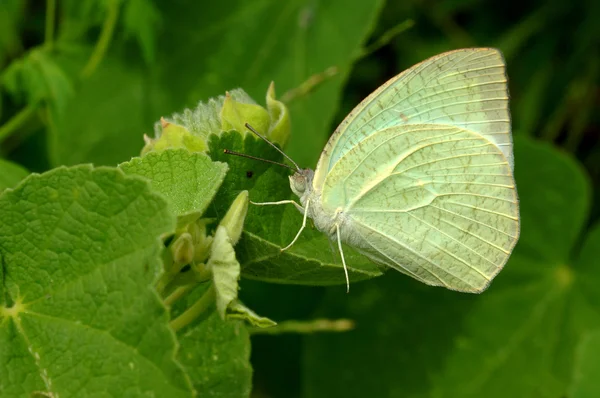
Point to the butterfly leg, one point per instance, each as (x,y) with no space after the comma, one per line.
(301,228)
(339,239)
(281,202)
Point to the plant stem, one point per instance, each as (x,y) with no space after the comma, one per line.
(200,306)
(385,38)
(177,294)
(50,21)
(17,121)
(306,327)
(309,85)
(108,28)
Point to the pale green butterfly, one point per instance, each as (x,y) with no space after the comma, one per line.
(419,176)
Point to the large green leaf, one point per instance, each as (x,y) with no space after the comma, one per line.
(214,352)
(249,44)
(105,122)
(216,355)
(516,339)
(585,378)
(80,251)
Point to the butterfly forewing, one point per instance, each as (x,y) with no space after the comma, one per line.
(463,88)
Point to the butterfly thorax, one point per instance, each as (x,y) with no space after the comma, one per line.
(324,219)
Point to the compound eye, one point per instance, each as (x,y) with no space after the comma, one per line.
(300,184)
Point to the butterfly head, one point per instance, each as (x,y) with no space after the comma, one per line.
(301,182)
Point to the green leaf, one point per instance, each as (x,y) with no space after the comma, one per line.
(80,251)
(104,123)
(10,174)
(225,270)
(216,355)
(587,367)
(548,234)
(141,20)
(11,15)
(312,260)
(38,77)
(413,340)
(189,181)
(284,42)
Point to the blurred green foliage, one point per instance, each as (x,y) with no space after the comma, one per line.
(82,81)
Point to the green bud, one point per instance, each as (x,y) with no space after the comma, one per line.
(234,219)
(279,129)
(235,114)
(183,249)
(174,136)
(200,240)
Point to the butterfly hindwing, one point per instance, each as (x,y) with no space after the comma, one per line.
(435,202)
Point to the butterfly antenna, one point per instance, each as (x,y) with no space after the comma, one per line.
(243,155)
(265,139)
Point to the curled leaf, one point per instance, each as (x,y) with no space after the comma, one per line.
(279,129)
(225,270)
(237,310)
(234,219)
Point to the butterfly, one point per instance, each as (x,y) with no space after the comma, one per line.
(419,176)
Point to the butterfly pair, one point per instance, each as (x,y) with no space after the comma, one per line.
(419,176)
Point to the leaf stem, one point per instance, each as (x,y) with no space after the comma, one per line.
(200,306)
(108,28)
(307,327)
(50,21)
(385,38)
(17,121)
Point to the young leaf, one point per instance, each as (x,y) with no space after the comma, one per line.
(188,180)
(10,174)
(524,327)
(80,252)
(174,136)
